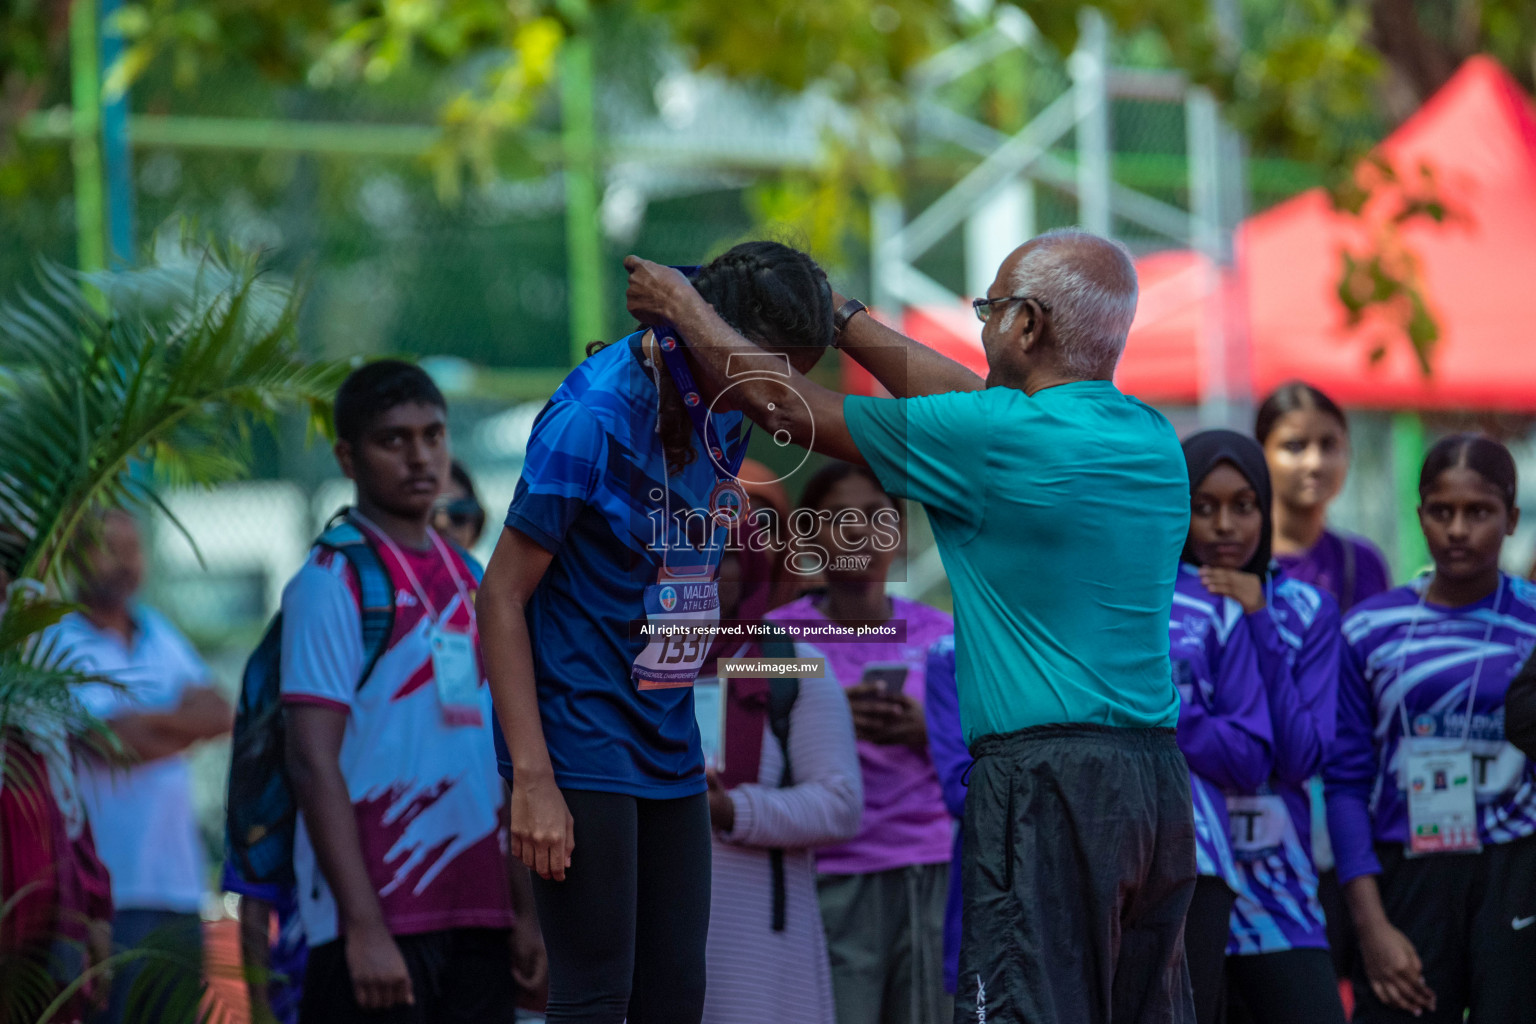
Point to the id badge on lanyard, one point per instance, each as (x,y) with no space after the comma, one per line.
(456,672)
(1435,773)
(1442,799)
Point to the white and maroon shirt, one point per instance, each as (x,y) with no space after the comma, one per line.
(426,793)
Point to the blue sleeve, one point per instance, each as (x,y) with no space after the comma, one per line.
(567,452)
(1351,773)
(931,449)
(1303,699)
(1231,743)
(941,702)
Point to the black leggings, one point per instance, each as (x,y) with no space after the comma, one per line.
(626,929)
(1282,988)
(1206,928)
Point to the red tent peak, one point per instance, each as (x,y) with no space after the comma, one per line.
(1481,103)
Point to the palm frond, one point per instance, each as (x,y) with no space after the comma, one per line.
(102,409)
(188,357)
(38,687)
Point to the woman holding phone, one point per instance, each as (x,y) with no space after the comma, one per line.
(882,893)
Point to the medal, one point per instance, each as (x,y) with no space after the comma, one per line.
(728,503)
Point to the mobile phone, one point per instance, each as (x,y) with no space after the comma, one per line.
(887,676)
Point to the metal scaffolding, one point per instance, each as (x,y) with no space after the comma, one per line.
(994,204)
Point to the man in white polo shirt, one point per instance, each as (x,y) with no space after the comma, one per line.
(142,816)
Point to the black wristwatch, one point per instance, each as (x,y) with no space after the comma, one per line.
(847,311)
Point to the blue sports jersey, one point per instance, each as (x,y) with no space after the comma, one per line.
(1388,676)
(1296,637)
(595,492)
(1224,727)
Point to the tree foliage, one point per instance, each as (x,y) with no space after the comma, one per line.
(112,386)
(1304,79)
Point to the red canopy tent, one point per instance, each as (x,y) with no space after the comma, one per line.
(1478,273)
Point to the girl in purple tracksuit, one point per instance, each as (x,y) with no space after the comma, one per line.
(1306,443)
(1224,726)
(1433,814)
(1278,968)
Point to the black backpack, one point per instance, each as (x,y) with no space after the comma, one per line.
(782,693)
(261,814)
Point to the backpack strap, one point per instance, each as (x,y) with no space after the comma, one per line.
(376,589)
(782,692)
(781,700)
(1347,586)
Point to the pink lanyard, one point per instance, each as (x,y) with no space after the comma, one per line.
(442,552)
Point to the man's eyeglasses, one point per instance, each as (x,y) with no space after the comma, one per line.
(983,307)
(461,512)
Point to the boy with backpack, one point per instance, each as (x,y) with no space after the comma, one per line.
(403,883)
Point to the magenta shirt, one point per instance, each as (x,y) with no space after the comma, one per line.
(905,821)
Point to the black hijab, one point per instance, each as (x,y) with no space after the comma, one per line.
(1210,448)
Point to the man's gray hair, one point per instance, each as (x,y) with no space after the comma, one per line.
(1088,284)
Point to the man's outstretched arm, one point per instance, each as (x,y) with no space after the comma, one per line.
(905,367)
(811,415)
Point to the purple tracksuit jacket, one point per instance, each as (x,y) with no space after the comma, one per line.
(1224,728)
(1297,641)
(1406,660)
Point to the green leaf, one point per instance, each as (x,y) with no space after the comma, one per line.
(192,353)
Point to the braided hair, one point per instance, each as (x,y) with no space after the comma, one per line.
(1483,455)
(774,296)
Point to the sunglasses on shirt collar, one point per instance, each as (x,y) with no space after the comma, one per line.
(461,511)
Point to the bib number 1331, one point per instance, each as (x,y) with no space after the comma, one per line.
(680,617)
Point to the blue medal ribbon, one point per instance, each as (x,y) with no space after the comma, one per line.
(671,349)
(670,345)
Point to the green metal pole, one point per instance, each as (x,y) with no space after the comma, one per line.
(583,235)
(85,93)
(1408,449)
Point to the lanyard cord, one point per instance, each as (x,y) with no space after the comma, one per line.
(442,552)
(1477,674)
(666,487)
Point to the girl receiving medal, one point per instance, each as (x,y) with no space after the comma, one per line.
(594,619)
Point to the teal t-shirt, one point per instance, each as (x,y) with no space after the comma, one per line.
(1060,518)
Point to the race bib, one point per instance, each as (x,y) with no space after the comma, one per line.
(1442,802)
(1497,768)
(680,618)
(1258,824)
(456,673)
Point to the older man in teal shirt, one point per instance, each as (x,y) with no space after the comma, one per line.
(1059,506)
